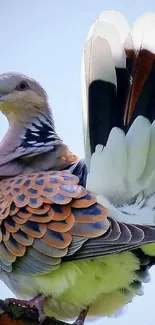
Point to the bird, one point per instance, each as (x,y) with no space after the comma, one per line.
(77,236)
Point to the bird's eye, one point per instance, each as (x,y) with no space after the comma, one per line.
(22,86)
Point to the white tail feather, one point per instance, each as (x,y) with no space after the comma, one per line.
(109,165)
(137,140)
(109,33)
(122,174)
(150,166)
(103,51)
(142,32)
(99,69)
(118,20)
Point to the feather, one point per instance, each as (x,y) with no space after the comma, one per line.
(140,50)
(109,165)
(94,72)
(138,143)
(48,228)
(105,79)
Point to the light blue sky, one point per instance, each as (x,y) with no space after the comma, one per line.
(44,39)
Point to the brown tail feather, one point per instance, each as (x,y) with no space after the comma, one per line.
(141,66)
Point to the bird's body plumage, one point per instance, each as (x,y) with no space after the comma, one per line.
(82,235)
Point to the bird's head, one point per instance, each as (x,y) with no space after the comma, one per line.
(20,96)
(31,133)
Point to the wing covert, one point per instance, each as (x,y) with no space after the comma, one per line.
(40,214)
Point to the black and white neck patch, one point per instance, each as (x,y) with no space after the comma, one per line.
(38,134)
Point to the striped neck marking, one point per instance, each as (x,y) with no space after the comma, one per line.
(39,133)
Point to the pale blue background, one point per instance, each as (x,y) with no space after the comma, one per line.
(44,39)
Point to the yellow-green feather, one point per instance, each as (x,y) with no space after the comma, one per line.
(109,303)
(149,249)
(93,282)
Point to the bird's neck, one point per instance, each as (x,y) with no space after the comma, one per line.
(34,143)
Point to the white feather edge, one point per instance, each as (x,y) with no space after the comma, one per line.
(98,64)
(118,20)
(141,34)
(108,32)
(102,51)
(122,174)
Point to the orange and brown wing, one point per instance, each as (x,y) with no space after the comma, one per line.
(41,214)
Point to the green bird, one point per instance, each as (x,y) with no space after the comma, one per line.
(77,237)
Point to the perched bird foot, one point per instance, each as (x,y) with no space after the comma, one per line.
(81,318)
(35,303)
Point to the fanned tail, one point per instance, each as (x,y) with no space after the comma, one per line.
(119,110)
(118,76)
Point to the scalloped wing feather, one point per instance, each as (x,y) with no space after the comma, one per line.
(40,215)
